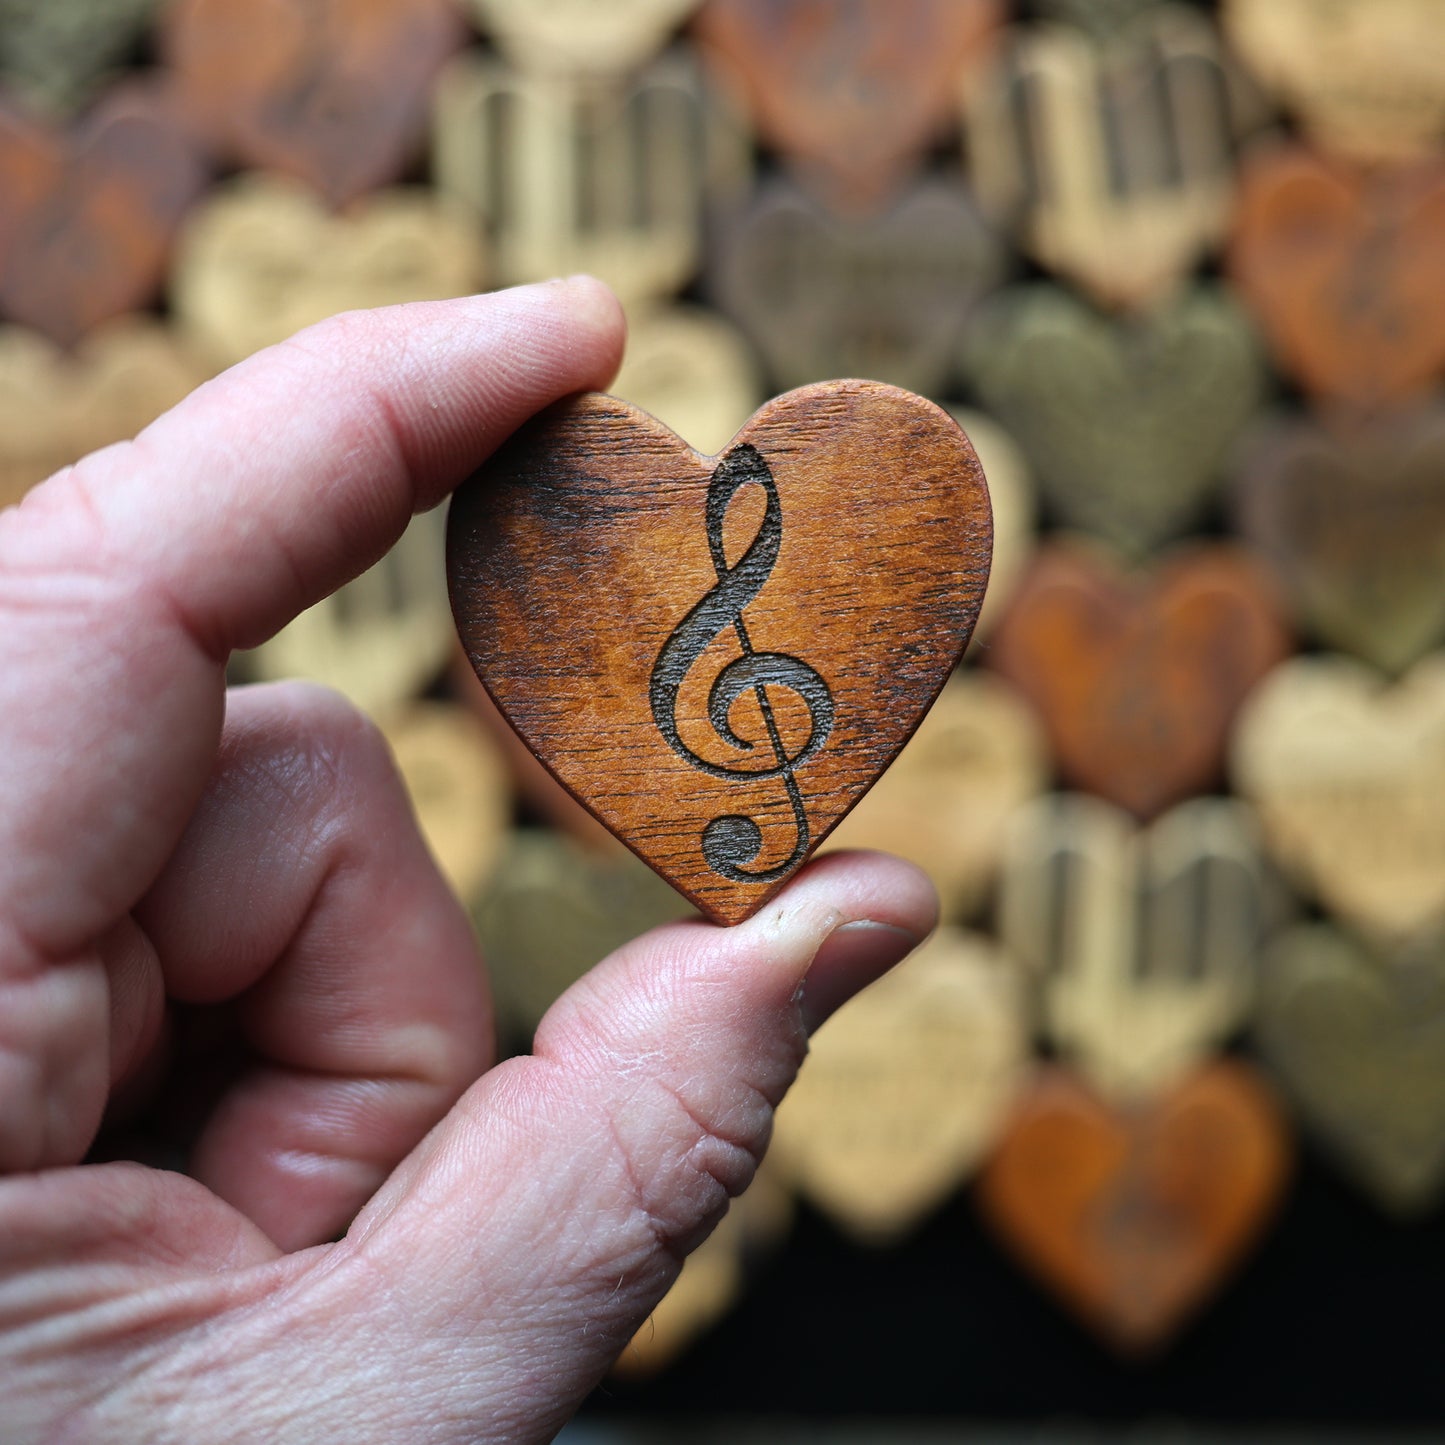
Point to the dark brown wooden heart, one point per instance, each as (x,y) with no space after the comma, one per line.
(719,655)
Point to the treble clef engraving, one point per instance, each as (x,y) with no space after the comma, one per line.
(730,841)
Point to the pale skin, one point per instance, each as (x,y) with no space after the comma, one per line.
(382,1235)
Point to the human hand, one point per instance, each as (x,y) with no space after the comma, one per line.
(174,857)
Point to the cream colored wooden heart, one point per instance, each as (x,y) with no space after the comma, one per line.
(1349,776)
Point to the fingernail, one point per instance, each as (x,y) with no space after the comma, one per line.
(850,958)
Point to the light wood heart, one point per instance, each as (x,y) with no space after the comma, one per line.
(54,54)
(1143,942)
(90,212)
(1112,155)
(906,1087)
(850,95)
(331,92)
(1138,676)
(1348,774)
(1128,423)
(945,801)
(1353,522)
(1345,269)
(261,259)
(580,37)
(886,296)
(56,406)
(718,656)
(1359,1042)
(1367,77)
(1134,1217)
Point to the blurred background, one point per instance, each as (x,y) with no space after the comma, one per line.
(1149,1142)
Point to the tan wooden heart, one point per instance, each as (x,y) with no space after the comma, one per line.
(906,1087)
(720,655)
(580,37)
(1348,774)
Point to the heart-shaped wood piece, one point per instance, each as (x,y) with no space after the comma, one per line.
(333,92)
(849,94)
(1348,774)
(718,656)
(1360,1044)
(1138,677)
(1345,269)
(89,214)
(580,37)
(1133,1217)
(1354,525)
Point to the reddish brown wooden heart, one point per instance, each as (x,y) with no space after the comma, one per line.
(333,92)
(88,218)
(1138,678)
(1346,270)
(1134,1216)
(719,655)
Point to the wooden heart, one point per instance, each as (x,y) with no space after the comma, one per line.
(850,95)
(1112,157)
(260,259)
(1348,773)
(1138,678)
(1134,1217)
(89,214)
(333,92)
(580,37)
(1367,77)
(1127,423)
(905,1088)
(56,406)
(54,53)
(1354,524)
(1360,1044)
(887,296)
(1346,271)
(718,656)
(944,803)
(1143,942)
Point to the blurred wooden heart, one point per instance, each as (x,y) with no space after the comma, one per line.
(718,656)
(580,37)
(1127,423)
(333,92)
(1367,77)
(850,95)
(260,259)
(53,53)
(1354,524)
(89,214)
(905,1087)
(1133,1217)
(1138,678)
(1360,1044)
(1346,271)
(56,406)
(885,297)
(1348,774)
(945,801)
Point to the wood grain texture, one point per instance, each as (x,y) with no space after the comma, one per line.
(850,95)
(1345,269)
(906,1087)
(1353,523)
(90,212)
(719,656)
(1134,1217)
(1347,771)
(332,92)
(1138,677)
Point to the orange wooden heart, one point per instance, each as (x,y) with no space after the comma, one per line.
(718,656)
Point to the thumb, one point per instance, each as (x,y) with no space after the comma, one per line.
(542,1221)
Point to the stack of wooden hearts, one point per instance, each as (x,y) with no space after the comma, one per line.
(1179,270)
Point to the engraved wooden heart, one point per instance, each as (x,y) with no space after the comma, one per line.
(718,655)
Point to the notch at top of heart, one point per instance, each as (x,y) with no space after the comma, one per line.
(718,656)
